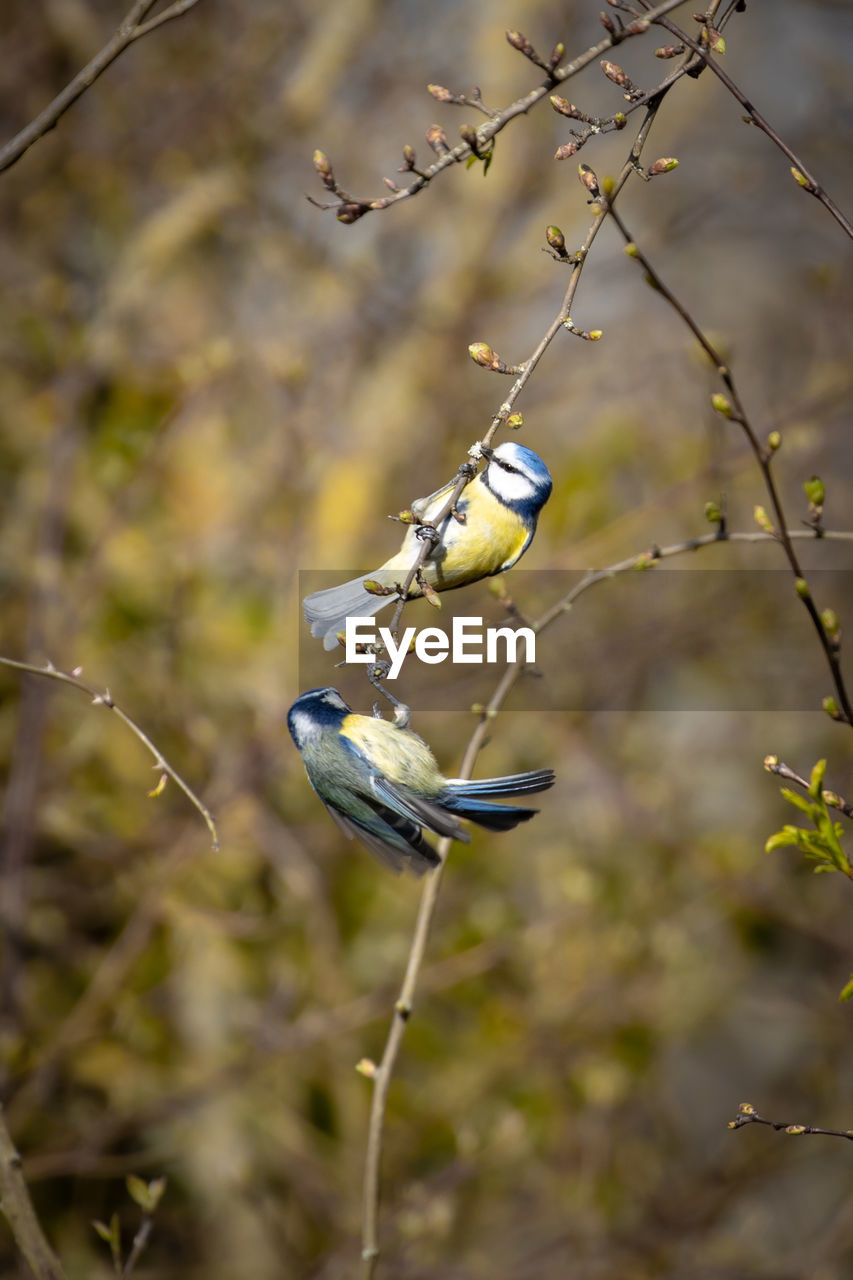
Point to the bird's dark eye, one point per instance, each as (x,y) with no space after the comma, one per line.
(507,466)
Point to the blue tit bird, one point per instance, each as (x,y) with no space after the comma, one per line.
(498,511)
(381,783)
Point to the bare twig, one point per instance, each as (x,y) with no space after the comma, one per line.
(131,29)
(17,1208)
(350,208)
(748,1115)
(801,174)
(140,1240)
(764,455)
(104,698)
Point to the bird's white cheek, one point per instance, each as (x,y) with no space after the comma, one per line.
(511,487)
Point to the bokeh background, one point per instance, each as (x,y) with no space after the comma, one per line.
(208,385)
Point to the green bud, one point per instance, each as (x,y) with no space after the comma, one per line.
(799,178)
(815,491)
(770,763)
(515,422)
(829,618)
(763,520)
(665,165)
(830,706)
(721,404)
(556,239)
(794,1129)
(773,441)
(713,514)
(802,588)
(481,353)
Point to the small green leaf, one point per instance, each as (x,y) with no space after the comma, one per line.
(799,802)
(781,838)
(816,780)
(139,1192)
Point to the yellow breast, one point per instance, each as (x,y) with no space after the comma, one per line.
(398,754)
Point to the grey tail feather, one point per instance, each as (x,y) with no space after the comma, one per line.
(327,611)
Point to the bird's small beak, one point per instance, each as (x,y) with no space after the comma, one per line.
(486,451)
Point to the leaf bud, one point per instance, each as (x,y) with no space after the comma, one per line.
(595,334)
(770,763)
(746,1109)
(515,422)
(556,239)
(721,404)
(763,520)
(815,491)
(669,50)
(713,513)
(802,588)
(638,27)
(829,618)
(556,54)
(830,706)
(374,588)
(589,180)
(437,139)
(795,1129)
(607,22)
(799,178)
(324,169)
(620,120)
(567,150)
(665,165)
(519,42)
(366,1067)
(409,157)
(564,107)
(774,440)
(429,595)
(468,134)
(481,353)
(716,42)
(615,73)
(351,212)
(440,94)
(631,249)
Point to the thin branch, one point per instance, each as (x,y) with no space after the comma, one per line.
(131,29)
(774,765)
(104,698)
(17,1208)
(350,208)
(140,1240)
(764,456)
(801,174)
(748,1115)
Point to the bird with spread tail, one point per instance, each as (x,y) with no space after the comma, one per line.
(494,525)
(382,785)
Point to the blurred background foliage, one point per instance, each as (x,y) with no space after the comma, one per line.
(207,385)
